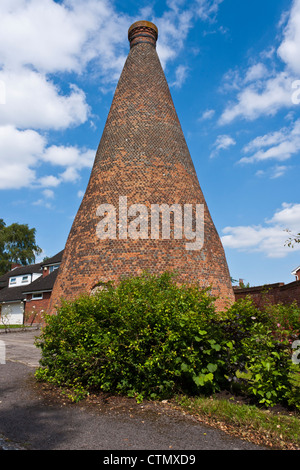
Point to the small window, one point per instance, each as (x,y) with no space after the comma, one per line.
(13,280)
(37,296)
(53,268)
(25,278)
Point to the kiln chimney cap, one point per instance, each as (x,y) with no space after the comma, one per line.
(142,31)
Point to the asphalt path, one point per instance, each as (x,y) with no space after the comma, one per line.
(30,421)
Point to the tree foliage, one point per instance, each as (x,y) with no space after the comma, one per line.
(294,238)
(17,245)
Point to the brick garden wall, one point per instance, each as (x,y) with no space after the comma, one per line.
(271,293)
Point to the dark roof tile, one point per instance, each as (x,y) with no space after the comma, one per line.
(30,269)
(54,259)
(42,283)
(12,294)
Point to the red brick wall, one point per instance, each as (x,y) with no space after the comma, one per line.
(35,309)
(290,292)
(271,293)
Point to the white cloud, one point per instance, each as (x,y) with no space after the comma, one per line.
(76,32)
(268,238)
(73,159)
(49,181)
(256,72)
(69,156)
(278,171)
(288,216)
(48,193)
(261,98)
(274,172)
(290,46)
(19,152)
(175,24)
(267,140)
(27,35)
(39,40)
(223,142)
(34,101)
(60,37)
(70,175)
(43,203)
(264,92)
(282,145)
(208,114)
(207,9)
(23,151)
(180,76)
(173,28)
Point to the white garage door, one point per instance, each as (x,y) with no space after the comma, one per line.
(12,313)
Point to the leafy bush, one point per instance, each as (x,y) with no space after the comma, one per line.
(284,321)
(147,337)
(262,358)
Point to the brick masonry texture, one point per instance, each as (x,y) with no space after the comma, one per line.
(36,309)
(142,155)
(271,294)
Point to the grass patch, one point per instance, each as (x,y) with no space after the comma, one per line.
(6,327)
(268,428)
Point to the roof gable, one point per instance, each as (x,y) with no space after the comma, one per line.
(296,270)
(54,259)
(41,284)
(23,270)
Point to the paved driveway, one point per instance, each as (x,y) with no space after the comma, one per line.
(19,347)
(29,420)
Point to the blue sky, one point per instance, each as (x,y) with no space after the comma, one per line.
(234,73)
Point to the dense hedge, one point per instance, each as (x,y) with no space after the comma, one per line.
(150,338)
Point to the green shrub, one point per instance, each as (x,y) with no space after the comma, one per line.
(147,337)
(262,359)
(284,320)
